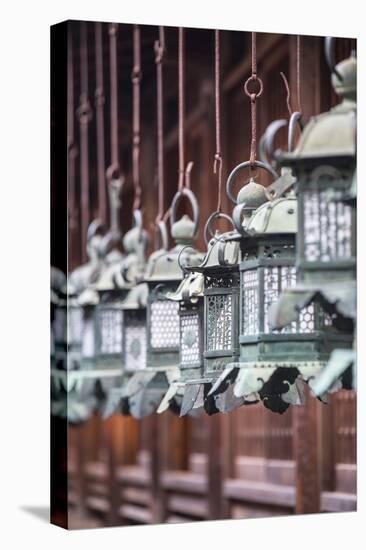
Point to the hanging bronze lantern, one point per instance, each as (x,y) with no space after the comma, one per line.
(189,296)
(147,387)
(273,365)
(324,163)
(113,286)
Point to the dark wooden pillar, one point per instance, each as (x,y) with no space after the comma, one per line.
(215,469)
(306,434)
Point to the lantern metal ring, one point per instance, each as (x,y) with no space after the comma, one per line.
(296,118)
(214,216)
(267,140)
(241,166)
(161,236)
(194,204)
(330,56)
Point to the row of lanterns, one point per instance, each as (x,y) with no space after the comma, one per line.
(269,307)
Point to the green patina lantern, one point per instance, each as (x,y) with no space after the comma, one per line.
(113,286)
(324,163)
(71,388)
(164,273)
(273,364)
(189,297)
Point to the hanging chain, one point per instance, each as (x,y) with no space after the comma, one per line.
(113,172)
(298,80)
(218,155)
(136,80)
(71,147)
(85,115)
(99,108)
(159,48)
(181,104)
(253,100)
(298,72)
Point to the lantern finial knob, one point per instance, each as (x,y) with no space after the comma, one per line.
(252,196)
(344,78)
(183,230)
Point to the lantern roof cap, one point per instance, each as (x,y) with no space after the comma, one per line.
(190,289)
(332,133)
(165,265)
(89,297)
(277,216)
(252,195)
(223,252)
(183,230)
(58,284)
(137,297)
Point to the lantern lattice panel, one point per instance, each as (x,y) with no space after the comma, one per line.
(164,324)
(275,279)
(219,322)
(190,330)
(135,342)
(88,337)
(327,228)
(110,323)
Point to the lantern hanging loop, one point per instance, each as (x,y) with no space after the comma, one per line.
(208,232)
(185,192)
(295,119)
(136,97)
(266,143)
(161,236)
(242,166)
(329,49)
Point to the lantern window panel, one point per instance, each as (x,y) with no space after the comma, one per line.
(219,322)
(88,337)
(135,341)
(164,324)
(110,325)
(74,325)
(327,228)
(190,339)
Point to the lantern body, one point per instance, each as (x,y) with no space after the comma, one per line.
(221,306)
(324,163)
(146,388)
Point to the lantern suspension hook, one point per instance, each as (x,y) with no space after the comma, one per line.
(218,161)
(99,110)
(253,95)
(159,49)
(136,100)
(114,172)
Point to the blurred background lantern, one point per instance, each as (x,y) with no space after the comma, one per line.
(129,300)
(147,387)
(77,401)
(324,163)
(58,333)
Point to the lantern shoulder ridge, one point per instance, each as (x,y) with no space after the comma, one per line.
(190,289)
(277,216)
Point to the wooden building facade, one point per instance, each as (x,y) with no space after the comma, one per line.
(251,462)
